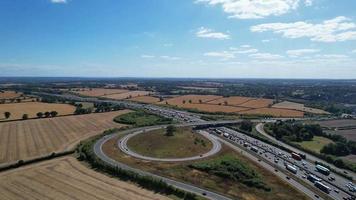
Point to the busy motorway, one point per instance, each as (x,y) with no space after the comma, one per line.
(337,186)
(302,174)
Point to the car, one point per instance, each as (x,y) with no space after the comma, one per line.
(303,176)
(259,160)
(204,194)
(337,191)
(276,170)
(316,196)
(288,177)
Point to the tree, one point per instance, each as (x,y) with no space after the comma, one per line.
(183,101)
(47,114)
(246,125)
(7,115)
(170,130)
(190,101)
(200,101)
(39,114)
(54,113)
(25,116)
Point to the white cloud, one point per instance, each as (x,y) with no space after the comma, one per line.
(147,56)
(254,9)
(170,57)
(265,56)
(353,51)
(59,1)
(246,50)
(222,54)
(334,30)
(209,33)
(300,52)
(265,41)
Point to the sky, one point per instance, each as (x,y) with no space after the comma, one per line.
(179,38)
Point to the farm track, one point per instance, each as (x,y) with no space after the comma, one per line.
(22,140)
(66,178)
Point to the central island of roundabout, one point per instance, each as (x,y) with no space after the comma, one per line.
(156,145)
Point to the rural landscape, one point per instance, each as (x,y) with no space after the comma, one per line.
(178,100)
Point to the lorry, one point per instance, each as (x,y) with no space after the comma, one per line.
(291,168)
(312,178)
(226,135)
(322,186)
(322,169)
(296,156)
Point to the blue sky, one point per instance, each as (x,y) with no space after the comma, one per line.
(178,38)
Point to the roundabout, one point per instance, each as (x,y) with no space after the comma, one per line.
(124,147)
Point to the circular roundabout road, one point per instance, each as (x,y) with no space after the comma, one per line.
(122,144)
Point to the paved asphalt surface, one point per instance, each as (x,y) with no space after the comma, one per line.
(310,157)
(122,144)
(270,153)
(187,187)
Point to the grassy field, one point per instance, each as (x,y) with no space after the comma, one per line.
(33,138)
(141,118)
(9,94)
(66,178)
(157,144)
(32,108)
(145,99)
(232,188)
(316,144)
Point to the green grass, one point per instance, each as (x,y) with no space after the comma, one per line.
(184,143)
(232,168)
(141,118)
(316,144)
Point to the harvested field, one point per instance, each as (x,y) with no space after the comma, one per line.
(127,95)
(145,99)
(235,101)
(350,158)
(298,106)
(257,103)
(275,112)
(178,101)
(349,134)
(66,178)
(235,104)
(32,108)
(9,94)
(22,140)
(97,92)
(338,123)
(213,108)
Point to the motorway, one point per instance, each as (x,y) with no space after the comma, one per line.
(279,158)
(260,129)
(122,144)
(338,189)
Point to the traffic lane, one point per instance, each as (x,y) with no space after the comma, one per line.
(187,187)
(270,168)
(339,181)
(271,155)
(260,129)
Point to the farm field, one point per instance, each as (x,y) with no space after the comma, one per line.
(22,140)
(145,99)
(234,104)
(338,123)
(316,144)
(127,95)
(349,134)
(276,112)
(298,106)
(97,92)
(66,178)
(32,108)
(9,94)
